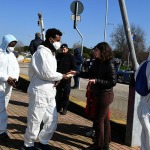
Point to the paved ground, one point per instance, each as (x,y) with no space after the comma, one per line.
(119,105)
(70,133)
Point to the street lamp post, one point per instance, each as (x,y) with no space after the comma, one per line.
(41,24)
(133,126)
(105,20)
(112,31)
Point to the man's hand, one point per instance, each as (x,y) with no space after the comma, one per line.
(64,77)
(93,81)
(71,73)
(11,81)
(15,80)
(56,83)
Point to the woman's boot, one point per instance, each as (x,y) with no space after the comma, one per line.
(106,147)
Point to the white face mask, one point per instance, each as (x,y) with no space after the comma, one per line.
(57,45)
(10,49)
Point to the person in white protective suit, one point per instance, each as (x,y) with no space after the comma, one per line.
(9,74)
(42,92)
(143,112)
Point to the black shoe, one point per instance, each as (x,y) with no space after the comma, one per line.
(90,133)
(61,110)
(74,87)
(64,112)
(106,147)
(4,136)
(92,147)
(28,148)
(43,147)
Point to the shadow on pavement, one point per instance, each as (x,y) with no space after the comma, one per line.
(66,134)
(23,84)
(12,144)
(117,130)
(17,144)
(18,129)
(18,103)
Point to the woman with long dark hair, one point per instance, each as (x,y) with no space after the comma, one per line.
(102,76)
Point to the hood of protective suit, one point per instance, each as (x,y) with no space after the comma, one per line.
(5,42)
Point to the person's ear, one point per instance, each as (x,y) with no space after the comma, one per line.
(50,39)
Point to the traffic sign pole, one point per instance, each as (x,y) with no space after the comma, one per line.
(75,12)
(77,8)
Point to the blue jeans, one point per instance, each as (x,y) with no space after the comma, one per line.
(76,81)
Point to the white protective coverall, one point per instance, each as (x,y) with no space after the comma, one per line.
(8,68)
(42,105)
(143,112)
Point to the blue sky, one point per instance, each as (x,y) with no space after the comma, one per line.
(19,17)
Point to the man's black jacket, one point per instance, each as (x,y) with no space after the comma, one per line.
(34,44)
(65,62)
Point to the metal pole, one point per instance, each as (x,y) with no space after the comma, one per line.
(75,27)
(76,10)
(106,20)
(112,31)
(81,41)
(128,33)
(41,25)
(133,127)
(113,35)
(128,59)
(81,47)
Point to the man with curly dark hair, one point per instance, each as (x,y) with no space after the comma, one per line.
(42,92)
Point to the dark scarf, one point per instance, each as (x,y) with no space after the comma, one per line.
(49,45)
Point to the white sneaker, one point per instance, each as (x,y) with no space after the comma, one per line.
(90,133)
